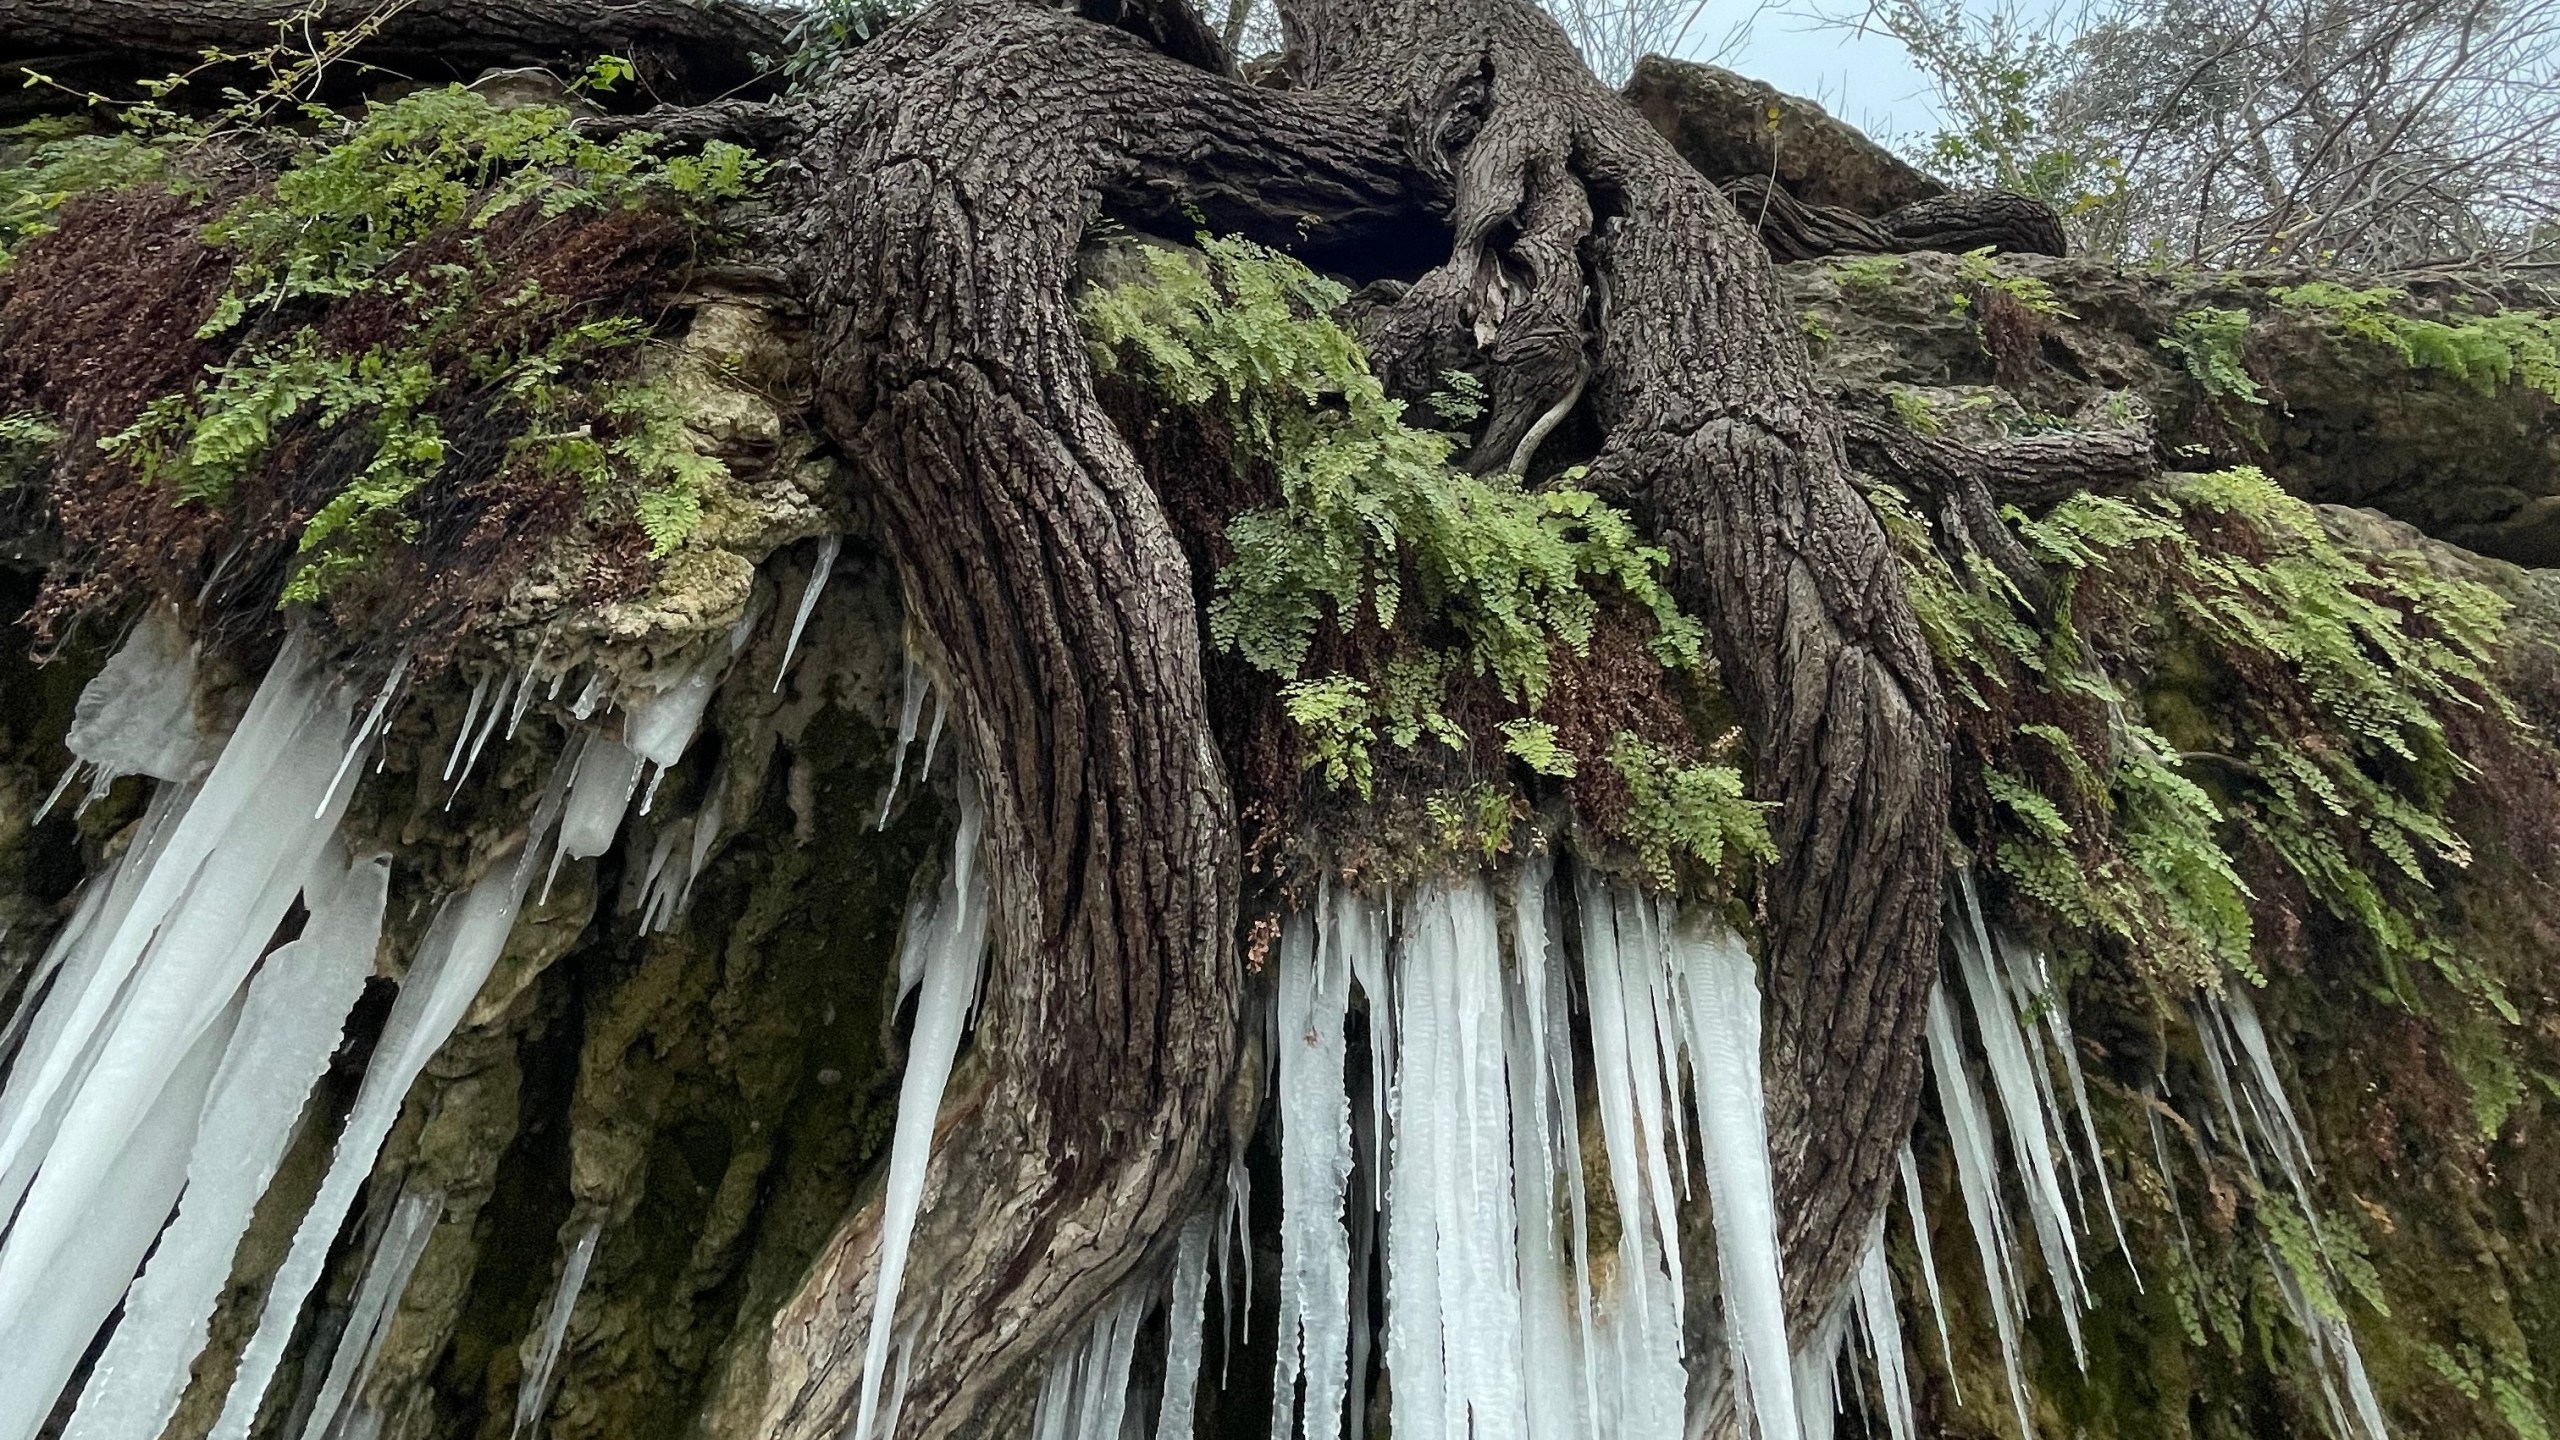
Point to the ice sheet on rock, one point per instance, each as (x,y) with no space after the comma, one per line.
(138,715)
(533,1394)
(1314,1108)
(1721,995)
(1915,1206)
(828,547)
(943,949)
(1978,1176)
(2029,1114)
(289,1025)
(1186,1321)
(79,1282)
(453,959)
(338,1412)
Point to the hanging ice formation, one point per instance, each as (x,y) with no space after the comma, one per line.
(533,1396)
(940,956)
(1315,1125)
(340,1412)
(1978,1177)
(104,1105)
(2242,1064)
(2027,1108)
(828,548)
(1498,1320)
(288,1026)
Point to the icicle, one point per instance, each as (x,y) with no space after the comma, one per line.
(909,710)
(289,1026)
(946,947)
(932,735)
(533,1396)
(46,1333)
(365,732)
(1723,1003)
(1234,1236)
(584,707)
(138,715)
(524,695)
(599,792)
(462,733)
(828,546)
(479,738)
(1917,1209)
(1561,1401)
(1453,1316)
(453,959)
(1814,1390)
(1637,1353)
(1315,1146)
(706,833)
(2004,1052)
(1184,1318)
(2057,1019)
(2169,1177)
(386,1277)
(1882,1322)
(1978,1176)
(1619,982)
(1085,1395)
(169,972)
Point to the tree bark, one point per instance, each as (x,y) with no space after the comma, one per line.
(687,49)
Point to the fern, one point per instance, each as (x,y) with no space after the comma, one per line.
(2208,343)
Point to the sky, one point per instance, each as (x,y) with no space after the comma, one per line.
(1865,79)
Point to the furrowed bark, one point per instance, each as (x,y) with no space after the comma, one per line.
(687,49)
(1569,210)
(956,162)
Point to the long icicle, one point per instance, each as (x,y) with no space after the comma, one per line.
(1185,1322)
(944,948)
(386,1278)
(533,1394)
(1722,997)
(1314,996)
(1881,1320)
(460,948)
(289,1026)
(1916,1207)
(2013,1072)
(1978,1176)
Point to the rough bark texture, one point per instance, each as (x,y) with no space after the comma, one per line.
(686,48)
(1960,221)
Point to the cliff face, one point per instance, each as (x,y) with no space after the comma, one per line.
(680,1073)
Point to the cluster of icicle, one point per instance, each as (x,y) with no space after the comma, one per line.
(2024,1029)
(164,1055)
(1462,1181)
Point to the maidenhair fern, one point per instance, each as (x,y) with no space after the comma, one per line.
(2332,676)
